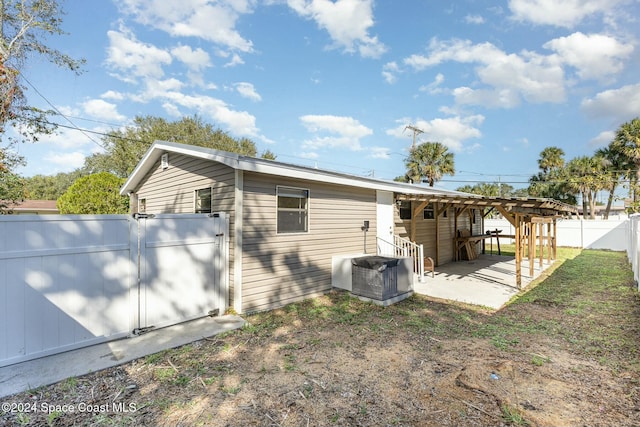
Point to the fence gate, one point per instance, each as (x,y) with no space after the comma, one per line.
(70,281)
(182,262)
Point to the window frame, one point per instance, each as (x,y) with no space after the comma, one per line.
(405,206)
(305,211)
(429,212)
(197,198)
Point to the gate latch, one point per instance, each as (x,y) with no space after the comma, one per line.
(139,215)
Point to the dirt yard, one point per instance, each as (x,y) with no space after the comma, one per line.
(564,354)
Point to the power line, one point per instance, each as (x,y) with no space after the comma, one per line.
(73,125)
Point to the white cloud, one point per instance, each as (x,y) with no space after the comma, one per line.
(213,21)
(603,139)
(347,22)
(66,139)
(379,153)
(248,91)
(434,86)
(595,56)
(102,109)
(452,131)
(68,161)
(508,77)
(474,19)
(344,132)
(126,54)
(622,104)
(239,122)
(389,71)
(112,94)
(196,60)
(566,13)
(235,60)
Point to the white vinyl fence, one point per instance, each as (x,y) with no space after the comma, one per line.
(615,235)
(633,239)
(69,281)
(578,233)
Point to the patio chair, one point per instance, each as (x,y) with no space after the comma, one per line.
(429,266)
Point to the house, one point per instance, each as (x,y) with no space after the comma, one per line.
(31,207)
(287,222)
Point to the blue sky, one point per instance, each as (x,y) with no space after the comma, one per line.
(334,84)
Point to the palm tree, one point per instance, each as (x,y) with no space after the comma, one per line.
(614,166)
(551,158)
(627,142)
(586,176)
(430,160)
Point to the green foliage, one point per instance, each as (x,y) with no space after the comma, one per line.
(124,148)
(493,189)
(429,160)
(44,187)
(627,144)
(550,182)
(11,185)
(94,194)
(26,25)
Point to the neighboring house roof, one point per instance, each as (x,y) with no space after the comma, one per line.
(270,167)
(32,206)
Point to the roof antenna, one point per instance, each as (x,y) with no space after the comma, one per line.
(416,131)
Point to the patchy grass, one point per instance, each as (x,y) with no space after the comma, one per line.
(564,352)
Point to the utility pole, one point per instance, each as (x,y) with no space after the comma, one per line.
(416,131)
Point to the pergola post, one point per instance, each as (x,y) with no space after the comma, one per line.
(555,240)
(541,243)
(518,229)
(549,242)
(532,247)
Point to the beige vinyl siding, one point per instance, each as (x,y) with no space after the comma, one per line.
(426,233)
(445,237)
(172,190)
(282,268)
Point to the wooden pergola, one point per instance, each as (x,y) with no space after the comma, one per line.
(528,216)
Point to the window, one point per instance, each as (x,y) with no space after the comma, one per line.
(293,210)
(203,200)
(405,210)
(142,205)
(429,212)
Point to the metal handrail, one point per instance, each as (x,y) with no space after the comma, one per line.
(405,248)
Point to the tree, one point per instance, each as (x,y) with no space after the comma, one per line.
(94,194)
(586,177)
(550,182)
(551,158)
(429,160)
(494,189)
(615,167)
(627,143)
(124,148)
(24,25)
(11,185)
(45,187)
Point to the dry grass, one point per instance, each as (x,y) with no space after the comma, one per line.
(564,354)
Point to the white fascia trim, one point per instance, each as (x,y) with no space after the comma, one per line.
(270,167)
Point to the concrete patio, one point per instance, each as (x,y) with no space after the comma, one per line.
(489,280)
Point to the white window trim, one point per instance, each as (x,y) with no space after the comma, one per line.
(293,233)
(195,199)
